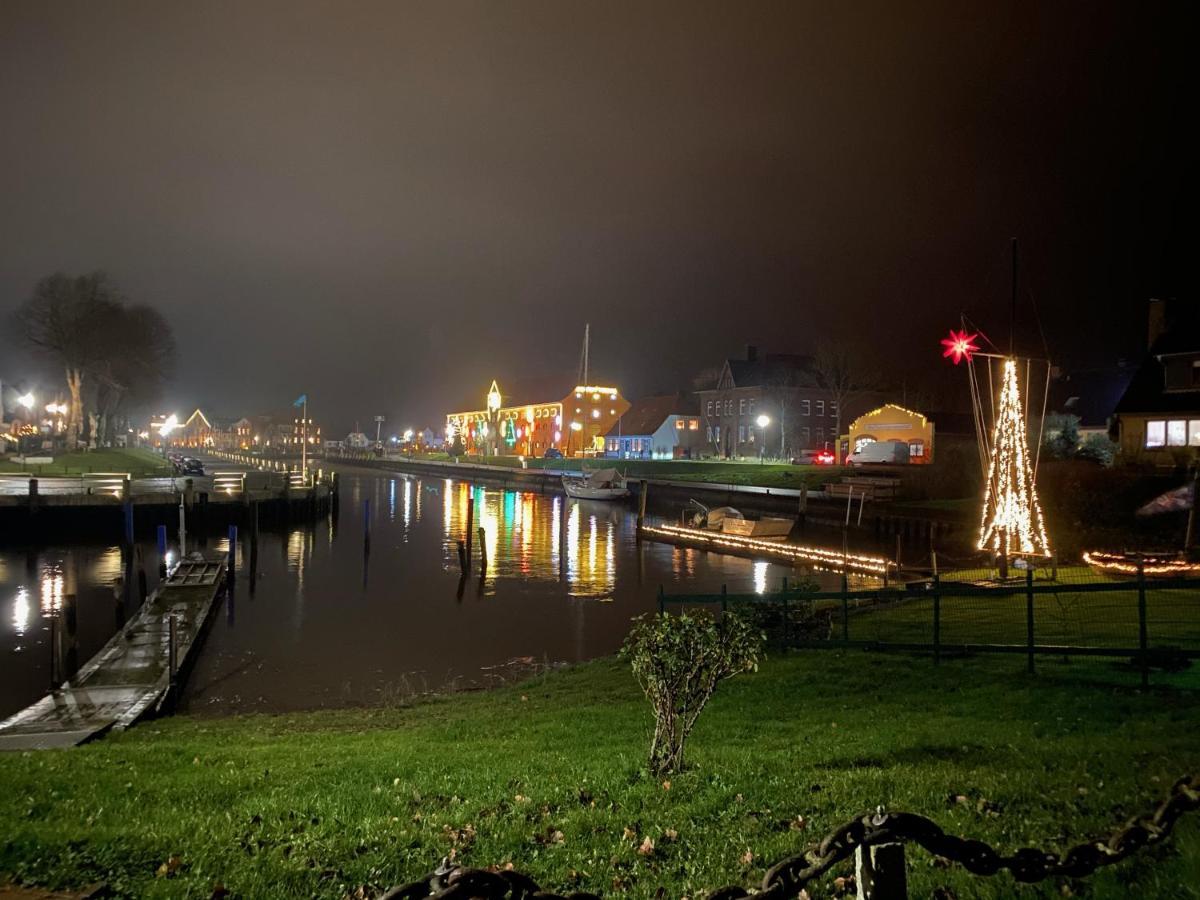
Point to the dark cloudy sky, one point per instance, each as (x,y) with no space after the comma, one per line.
(388,204)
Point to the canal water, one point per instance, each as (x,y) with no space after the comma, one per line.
(329,618)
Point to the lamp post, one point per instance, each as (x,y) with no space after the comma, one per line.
(762,422)
(493,409)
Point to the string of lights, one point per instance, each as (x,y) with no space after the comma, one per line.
(1125,564)
(1012,516)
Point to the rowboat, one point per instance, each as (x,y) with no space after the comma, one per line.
(602,484)
(727,520)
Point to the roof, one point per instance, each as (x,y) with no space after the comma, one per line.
(1089,394)
(1145,393)
(528,391)
(647,415)
(782,369)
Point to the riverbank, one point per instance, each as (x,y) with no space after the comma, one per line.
(548,776)
(134,461)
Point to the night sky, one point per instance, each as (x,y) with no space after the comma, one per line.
(386,205)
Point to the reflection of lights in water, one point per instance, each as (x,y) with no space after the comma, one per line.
(555,530)
(760,577)
(489,520)
(407,501)
(21,611)
(52,590)
(391,499)
(107,567)
(297,553)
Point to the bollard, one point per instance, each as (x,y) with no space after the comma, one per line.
(483,560)
(880,873)
(462,559)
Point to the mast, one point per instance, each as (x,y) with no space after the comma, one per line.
(587,333)
(1012,322)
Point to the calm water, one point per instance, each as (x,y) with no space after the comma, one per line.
(324,622)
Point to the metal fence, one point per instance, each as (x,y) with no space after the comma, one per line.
(1154,622)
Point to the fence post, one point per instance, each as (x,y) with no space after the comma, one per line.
(1143,643)
(937,619)
(845,609)
(1029,616)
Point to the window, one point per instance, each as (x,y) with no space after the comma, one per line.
(751,406)
(710,409)
(741,434)
(717,434)
(916,449)
(693,424)
(820,433)
(805,434)
(1194,433)
(742,406)
(679,423)
(729,407)
(833,408)
(711,439)
(1177,433)
(805,408)
(1156,434)
(820,407)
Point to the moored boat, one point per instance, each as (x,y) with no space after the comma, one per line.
(602,484)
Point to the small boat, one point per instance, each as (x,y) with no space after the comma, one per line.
(602,484)
(1154,565)
(728,520)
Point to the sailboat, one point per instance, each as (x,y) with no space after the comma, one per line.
(601,484)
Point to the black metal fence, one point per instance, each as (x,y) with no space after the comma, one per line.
(1153,622)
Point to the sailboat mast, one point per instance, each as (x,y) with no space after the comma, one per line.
(587,333)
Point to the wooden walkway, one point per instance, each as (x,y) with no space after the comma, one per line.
(131,673)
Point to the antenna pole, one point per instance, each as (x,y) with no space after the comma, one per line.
(1012,327)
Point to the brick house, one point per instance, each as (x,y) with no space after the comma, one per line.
(784,387)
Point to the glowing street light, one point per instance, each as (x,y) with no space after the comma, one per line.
(26,400)
(762,422)
(408,435)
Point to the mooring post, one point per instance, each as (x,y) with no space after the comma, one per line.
(172,648)
(1029,617)
(54,652)
(644,488)
(189,493)
(33,494)
(803,505)
(849,501)
(845,608)
(182,530)
(470,523)
(162,551)
(880,873)
(462,559)
(231,566)
(937,617)
(367,520)
(483,560)
(1143,639)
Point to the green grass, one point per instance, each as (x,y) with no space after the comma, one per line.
(548,776)
(136,461)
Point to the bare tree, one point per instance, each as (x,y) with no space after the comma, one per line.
(841,373)
(121,353)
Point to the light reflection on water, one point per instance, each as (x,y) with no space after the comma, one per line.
(331,619)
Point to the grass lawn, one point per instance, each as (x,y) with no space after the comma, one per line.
(138,462)
(548,776)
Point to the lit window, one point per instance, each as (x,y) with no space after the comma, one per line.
(679,423)
(709,413)
(805,408)
(694,424)
(916,449)
(1156,434)
(595,396)
(1194,433)
(741,434)
(578,410)
(716,434)
(595,413)
(1177,433)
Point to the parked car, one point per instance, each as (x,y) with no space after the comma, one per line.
(821,457)
(189,465)
(880,453)
(552,453)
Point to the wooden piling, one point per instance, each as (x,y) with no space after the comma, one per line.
(470,524)
(483,558)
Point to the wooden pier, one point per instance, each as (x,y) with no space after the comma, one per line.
(136,673)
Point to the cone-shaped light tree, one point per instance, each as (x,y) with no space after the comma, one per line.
(1012,517)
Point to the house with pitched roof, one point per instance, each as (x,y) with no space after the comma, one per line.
(662,427)
(1157,419)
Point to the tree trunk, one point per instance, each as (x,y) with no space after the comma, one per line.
(75,414)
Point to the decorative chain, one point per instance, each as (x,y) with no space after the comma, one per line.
(787,878)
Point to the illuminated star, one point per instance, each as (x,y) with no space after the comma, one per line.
(959,345)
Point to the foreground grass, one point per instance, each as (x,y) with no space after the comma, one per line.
(548,776)
(136,461)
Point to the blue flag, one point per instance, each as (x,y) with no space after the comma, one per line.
(301,400)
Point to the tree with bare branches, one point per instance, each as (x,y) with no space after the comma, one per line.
(841,372)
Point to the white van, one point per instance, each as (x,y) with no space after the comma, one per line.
(880,453)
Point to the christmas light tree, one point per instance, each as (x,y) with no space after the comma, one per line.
(1012,517)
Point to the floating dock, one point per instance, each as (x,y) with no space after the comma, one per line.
(135,673)
(773,551)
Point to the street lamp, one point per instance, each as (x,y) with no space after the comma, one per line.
(26,400)
(762,422)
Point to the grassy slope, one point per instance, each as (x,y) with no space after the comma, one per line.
(136,461)
(548,776)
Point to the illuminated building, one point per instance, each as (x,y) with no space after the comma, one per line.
(574,425)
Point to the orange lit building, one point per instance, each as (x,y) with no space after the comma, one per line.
(574,425)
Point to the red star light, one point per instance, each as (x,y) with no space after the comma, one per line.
(959,345)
